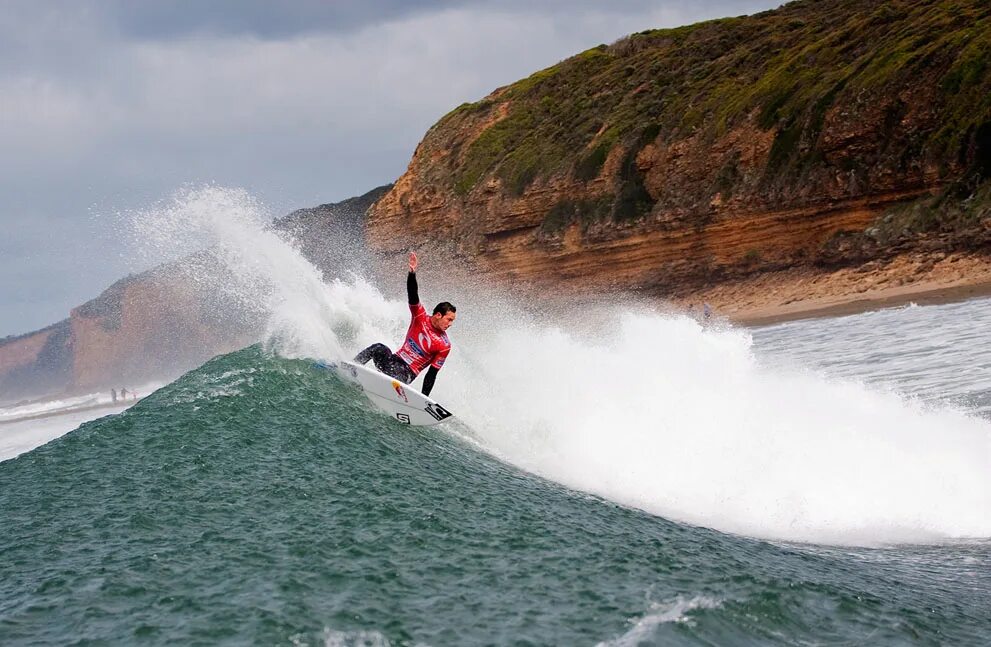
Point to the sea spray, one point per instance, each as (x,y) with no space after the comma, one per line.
(254,274)
(644,408)
(660,414)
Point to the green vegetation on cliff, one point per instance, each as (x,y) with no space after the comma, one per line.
(782,71)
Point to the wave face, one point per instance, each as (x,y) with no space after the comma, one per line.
(257,499)
(646,409)
(615,475)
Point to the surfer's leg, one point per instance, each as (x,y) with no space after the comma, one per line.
(400,370)
(386,361)
(373,351)
(394,366)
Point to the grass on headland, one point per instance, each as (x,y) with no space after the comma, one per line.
(786,68)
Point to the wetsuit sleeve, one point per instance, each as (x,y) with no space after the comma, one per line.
(440,358)
(412,292)
(428,381)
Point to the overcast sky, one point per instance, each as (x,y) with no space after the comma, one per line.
(108,106)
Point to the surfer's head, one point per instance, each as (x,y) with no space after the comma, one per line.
(443,316)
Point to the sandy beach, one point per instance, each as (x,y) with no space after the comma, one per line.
(807,293)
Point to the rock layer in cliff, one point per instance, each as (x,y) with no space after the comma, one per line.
(679,156)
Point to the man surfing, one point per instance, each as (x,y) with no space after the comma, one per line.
(426,342)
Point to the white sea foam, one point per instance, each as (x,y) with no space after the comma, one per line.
(333,638)
(676,610)
(22,436)
(662,415)
(646,409)
(42,407)
(24,427)
(264,274)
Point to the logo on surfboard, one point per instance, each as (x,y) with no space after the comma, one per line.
(437,412)
(399,391)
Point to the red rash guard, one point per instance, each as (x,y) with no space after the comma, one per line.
(424,345)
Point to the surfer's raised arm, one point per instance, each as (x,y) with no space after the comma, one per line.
(426,341)
(412,295)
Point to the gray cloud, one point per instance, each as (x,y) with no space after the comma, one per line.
(264,19)
(109,106)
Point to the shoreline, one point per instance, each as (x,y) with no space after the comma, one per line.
(71,410)
(922,297)
(791,295)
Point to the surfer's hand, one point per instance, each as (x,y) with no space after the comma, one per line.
(412,261)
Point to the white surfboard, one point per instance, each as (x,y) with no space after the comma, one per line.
(401,401)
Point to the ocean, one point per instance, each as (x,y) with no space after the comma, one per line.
(615,475)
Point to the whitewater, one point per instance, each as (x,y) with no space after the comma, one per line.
(645,408)
(632,464)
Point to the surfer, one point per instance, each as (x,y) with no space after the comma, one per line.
(426,340)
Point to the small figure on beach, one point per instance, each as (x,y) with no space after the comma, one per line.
(113,395)
(706,313)
(123,393)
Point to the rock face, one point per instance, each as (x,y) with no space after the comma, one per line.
(153,325)
(146,327)
(676,158)
(824,133)
(39,362)
(158,324)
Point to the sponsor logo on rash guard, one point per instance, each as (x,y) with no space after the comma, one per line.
(415,347)
(423,346)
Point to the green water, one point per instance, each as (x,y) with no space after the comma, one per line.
(260,501)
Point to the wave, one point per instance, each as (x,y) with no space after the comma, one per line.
(647,409)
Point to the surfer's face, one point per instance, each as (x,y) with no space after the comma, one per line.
(443,322)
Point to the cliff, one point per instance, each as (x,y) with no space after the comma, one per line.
(38,362)
(152,325)
(160,323)
(821,134)
(825,134)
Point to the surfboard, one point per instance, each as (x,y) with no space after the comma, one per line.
(401,401)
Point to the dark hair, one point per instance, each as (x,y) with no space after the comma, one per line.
(444,307)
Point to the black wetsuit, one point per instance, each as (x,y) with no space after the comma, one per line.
(387,362)
(390,363)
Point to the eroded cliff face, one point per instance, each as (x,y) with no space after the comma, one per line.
(151,327)
(23,351)
(677,158)
(143,328)
(36,362)
(712,213)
